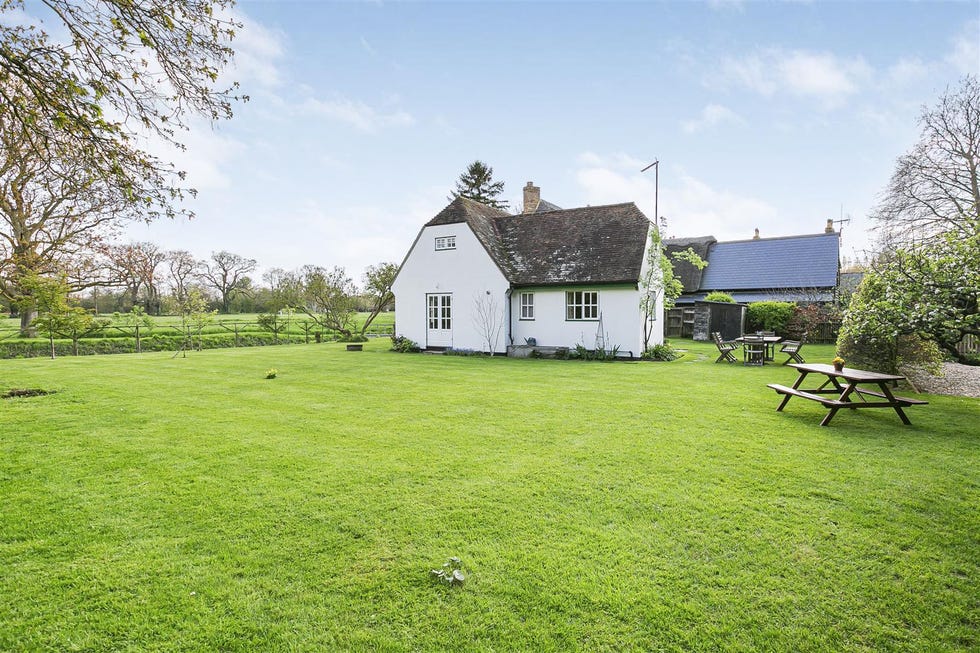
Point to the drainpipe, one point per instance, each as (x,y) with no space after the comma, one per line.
(510,318)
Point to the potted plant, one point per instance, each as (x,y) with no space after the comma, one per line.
(838,364)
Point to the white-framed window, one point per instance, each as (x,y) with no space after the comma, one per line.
(527,305)
(582,305)
(445,242)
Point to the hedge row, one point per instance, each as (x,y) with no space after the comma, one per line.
(87,346)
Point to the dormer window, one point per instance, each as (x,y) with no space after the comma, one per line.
(445,242)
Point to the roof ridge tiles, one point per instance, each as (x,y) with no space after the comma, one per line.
(755,240)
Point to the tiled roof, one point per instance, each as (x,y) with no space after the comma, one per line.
(593,244)
(790,262)
(802,296)
(545,205)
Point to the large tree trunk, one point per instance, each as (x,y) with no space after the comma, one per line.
(27,328)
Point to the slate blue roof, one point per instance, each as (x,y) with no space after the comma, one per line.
(545,205)
(791,262)
(804,296)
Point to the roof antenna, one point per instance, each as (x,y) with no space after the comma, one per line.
(841,221)
(656,187)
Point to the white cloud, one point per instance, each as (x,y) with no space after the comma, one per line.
(258,51)
(822,75)
(751,71)
(382,234)
(965,55)
(205,159)
(356,113)
(905,71)
(618,160)
(691,206)
(817,75)
(16,17)
(712,115)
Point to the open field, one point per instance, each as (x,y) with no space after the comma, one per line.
(166,333)
(386,318)
(161,503)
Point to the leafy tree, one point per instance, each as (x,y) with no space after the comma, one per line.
(936,186)
(134,266)
(274,322)
(136,317)
(55,212)
(377,289)
(330,298)
(282,285)
(659,279)
(327,297)
(127,69)
(194,316)
(59,316)
(227,274)
(183,268)
(925,283)
(931,291)
(477,184)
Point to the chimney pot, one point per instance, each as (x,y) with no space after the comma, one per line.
(829,229)
(532,197)
(756,236)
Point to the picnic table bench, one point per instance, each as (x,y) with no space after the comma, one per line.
(846,391)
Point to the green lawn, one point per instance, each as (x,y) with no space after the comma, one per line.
(161,503)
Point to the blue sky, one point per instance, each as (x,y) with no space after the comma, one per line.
(774,116)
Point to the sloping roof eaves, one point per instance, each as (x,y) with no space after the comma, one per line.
(809,261)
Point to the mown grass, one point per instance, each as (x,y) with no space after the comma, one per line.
(160,503)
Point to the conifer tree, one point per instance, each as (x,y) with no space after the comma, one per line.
(477,184)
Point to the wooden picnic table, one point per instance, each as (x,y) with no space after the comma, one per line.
(846,385)
(769,341)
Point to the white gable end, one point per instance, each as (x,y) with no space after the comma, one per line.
(446,289)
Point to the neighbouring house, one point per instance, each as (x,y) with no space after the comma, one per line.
(803,269)
(480,278)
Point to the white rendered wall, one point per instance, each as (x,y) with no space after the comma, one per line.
(622,323)
(466,272)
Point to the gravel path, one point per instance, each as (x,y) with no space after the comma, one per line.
(954,379)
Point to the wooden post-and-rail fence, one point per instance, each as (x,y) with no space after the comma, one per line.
(180,336)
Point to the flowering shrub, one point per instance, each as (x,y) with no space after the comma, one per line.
(404,345)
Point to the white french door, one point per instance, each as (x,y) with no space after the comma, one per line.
(440,320)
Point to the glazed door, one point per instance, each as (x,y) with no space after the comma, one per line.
(440,320)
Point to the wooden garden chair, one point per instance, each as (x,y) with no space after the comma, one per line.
(792,349)
(753,351)
(725,348)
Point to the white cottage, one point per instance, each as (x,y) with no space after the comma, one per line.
(480,278)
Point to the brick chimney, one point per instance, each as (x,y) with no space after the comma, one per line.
(756,236)
(829,229)
(532,197)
